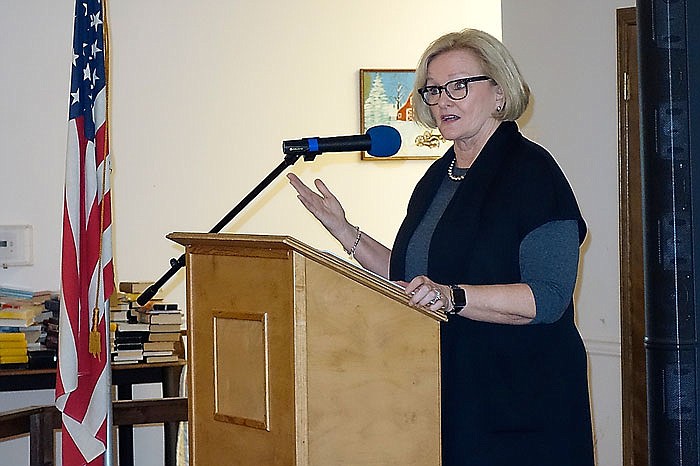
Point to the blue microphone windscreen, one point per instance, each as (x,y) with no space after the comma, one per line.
(386,141)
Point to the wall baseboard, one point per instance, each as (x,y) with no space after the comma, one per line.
(596,347)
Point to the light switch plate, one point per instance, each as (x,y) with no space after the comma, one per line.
(16,245)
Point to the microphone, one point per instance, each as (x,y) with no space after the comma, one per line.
(379,141)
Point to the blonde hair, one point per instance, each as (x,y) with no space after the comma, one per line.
(496,62)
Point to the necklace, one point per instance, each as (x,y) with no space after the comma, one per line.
(449,172)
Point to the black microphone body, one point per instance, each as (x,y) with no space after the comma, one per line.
(360,142)
(379,141)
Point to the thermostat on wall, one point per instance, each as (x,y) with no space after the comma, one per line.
(15,245)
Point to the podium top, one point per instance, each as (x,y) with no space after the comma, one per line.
(280,242)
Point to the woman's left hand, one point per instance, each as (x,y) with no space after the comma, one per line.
(426,293)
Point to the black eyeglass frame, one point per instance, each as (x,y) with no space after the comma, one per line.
(423,90)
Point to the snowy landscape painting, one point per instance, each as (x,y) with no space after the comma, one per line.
(385,99)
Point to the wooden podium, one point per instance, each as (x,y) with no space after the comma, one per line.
(297,357)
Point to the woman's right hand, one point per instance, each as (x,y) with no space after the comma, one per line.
(324,206)
(371,254)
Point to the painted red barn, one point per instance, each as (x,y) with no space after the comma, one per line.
(405,113)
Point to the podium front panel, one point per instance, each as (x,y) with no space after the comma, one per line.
(222,286)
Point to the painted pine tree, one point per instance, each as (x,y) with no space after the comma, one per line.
(377,104)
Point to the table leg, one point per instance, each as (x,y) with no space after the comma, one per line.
(126,433)
(171,388)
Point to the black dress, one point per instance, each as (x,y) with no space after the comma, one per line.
(513,395)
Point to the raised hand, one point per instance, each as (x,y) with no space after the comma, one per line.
(323,205)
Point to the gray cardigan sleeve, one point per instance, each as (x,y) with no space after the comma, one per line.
(549,264)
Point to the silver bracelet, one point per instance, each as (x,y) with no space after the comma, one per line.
(352,250)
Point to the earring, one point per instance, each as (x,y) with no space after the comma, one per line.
(498,108)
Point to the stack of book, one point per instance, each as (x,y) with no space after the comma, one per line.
(49,326)
(164,322)
(128,339)
(147,333)
(119,307)
(13,349)
(127,334)
(21,316)
(128,345)
(44,353)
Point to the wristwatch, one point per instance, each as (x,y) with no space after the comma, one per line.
(459,299)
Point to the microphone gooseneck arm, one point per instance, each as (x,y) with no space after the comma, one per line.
(177,264)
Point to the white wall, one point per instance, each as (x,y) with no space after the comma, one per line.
(567,51)
(35,59)
(203,93)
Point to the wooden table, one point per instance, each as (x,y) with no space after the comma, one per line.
(124,377)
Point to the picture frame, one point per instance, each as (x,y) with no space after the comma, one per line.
(385,99)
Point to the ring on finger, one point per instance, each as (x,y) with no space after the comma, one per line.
(438,297)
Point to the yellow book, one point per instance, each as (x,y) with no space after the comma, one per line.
(13,344)
(15,313)
(12,336)
(14,359)
(13,352)
(24,312)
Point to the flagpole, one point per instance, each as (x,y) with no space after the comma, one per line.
(109,453)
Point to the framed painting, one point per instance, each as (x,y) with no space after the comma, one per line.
(385,99)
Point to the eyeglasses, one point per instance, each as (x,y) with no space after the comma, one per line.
(457,89)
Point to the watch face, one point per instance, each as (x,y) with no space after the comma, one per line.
(459,297)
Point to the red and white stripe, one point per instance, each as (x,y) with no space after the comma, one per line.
(83,386)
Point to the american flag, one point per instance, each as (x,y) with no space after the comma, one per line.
(83,386)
